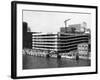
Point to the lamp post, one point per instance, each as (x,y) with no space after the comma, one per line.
(66,22)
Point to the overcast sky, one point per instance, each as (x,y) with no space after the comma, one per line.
(40,21)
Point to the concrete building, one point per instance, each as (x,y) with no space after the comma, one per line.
(58,42)
(45,41)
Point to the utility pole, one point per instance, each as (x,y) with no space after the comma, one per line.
(66,22)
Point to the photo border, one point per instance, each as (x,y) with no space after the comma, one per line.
(14,38)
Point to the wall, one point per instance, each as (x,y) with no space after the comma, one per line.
(5,40)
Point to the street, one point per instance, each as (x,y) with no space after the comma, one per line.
(36,62)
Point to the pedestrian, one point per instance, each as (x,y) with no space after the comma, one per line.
(77,56)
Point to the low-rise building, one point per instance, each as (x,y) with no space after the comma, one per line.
(58,42)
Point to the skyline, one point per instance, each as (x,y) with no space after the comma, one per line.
(51,21)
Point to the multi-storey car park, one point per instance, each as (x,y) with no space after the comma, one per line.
(59,42)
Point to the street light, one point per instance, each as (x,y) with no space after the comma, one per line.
(66,22)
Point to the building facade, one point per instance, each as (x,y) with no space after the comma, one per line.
(59,42)
(44,41)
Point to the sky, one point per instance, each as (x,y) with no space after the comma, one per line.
(42,21)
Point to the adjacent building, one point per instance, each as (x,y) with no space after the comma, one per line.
(27,37)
